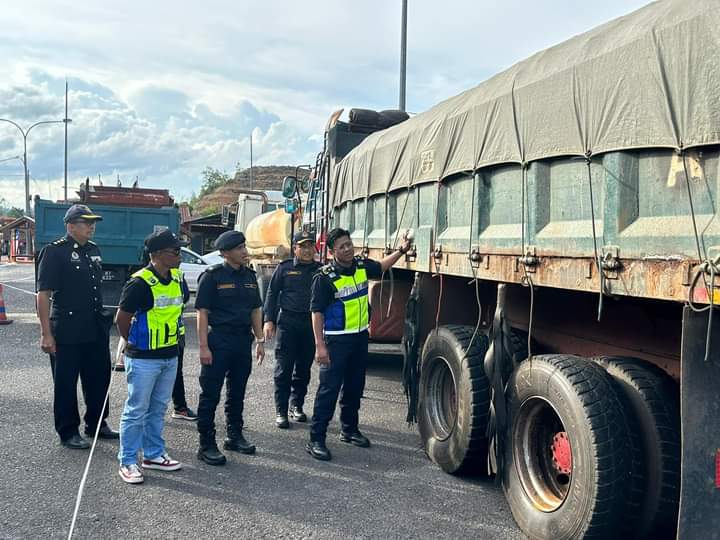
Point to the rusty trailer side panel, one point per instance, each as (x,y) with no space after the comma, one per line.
(505,223)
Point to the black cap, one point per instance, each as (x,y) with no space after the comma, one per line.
(162,240)
(229,240)
(303,236)
(80,211)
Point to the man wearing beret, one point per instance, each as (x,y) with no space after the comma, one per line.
(74,327)
(149,319)
(287,310)
(229,313)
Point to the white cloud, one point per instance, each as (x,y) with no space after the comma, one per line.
(162,91)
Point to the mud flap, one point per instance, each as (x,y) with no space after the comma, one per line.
(700,416)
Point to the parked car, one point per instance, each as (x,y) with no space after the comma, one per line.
(213,257)
(192,265)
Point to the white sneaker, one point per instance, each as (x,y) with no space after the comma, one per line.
(131,474)
(162,463)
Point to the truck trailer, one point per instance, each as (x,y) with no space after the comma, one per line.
(560,290)
(120,235)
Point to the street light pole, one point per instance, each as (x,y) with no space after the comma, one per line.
(403,55)
(25,133)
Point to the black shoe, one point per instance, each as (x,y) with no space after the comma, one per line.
(297,414)
(281,421)
(76,442)
(357,438)
(318,450)
(106,432)
(211,455)
(237,442)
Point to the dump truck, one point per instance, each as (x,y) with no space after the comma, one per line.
(558,324)
(120,235)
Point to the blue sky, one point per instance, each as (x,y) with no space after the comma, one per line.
(160,90)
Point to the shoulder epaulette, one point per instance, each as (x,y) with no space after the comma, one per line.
(60,242)
(359,261)
(286,261)
(328,270)
(251,269)
(214,268)
(90,242)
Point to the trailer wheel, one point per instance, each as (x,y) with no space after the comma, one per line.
(454,399)
(651,401)
(567,452)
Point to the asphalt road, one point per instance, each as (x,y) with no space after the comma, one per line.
(390,490)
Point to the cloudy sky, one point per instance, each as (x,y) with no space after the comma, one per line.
(159,90)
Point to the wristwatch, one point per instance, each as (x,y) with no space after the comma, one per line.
(259,340)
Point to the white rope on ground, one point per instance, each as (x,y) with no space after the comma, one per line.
(4,284)
(81,489)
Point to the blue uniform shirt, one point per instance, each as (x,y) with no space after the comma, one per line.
(290,288)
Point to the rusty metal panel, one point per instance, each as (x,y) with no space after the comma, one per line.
(643,225)
(499,217)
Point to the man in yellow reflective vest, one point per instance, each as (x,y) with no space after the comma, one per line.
(148,318)
(340,318)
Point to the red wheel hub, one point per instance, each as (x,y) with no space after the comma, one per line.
(562,453)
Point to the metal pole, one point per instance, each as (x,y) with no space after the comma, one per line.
(252,180)
(403,55)
(66,127)
(27,176)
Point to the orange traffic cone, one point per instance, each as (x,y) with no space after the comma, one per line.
(3,316)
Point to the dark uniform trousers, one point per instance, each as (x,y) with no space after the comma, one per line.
(178,393)
(348,363)
(91,362)
(232,360)
(294,356)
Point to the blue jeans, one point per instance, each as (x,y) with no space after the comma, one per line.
(150,383)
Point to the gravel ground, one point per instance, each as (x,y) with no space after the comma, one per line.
(388,491)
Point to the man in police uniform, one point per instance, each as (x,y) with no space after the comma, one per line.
(287,309)
(75,331)
(228,308)
(340,318)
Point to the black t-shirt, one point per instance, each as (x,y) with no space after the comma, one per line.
(137,297)
(290,288)
(229,295)
(323,292)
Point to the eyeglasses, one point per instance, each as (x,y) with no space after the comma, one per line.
(171,251)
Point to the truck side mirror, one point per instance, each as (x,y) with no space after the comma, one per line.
(289,186)
(290,206)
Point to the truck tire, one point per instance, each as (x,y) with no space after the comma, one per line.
(651,400)
(454,399)
(567,453)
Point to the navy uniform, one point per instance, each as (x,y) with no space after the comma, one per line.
(81,327)
(341,295)
(287,305)
(230,296)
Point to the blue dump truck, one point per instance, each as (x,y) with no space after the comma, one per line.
(561,328)
(119,235)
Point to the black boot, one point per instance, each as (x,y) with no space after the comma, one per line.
(208,451)
(236,441)
(281,420)
(318,450)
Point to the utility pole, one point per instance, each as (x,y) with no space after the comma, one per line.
(252,180)
(66,120)
(403,55)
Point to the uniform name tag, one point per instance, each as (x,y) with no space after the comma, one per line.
(226,286)
(251,286)
(293,273)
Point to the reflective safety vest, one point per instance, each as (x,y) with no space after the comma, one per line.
(181,324)
(158,327)
(348,314)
